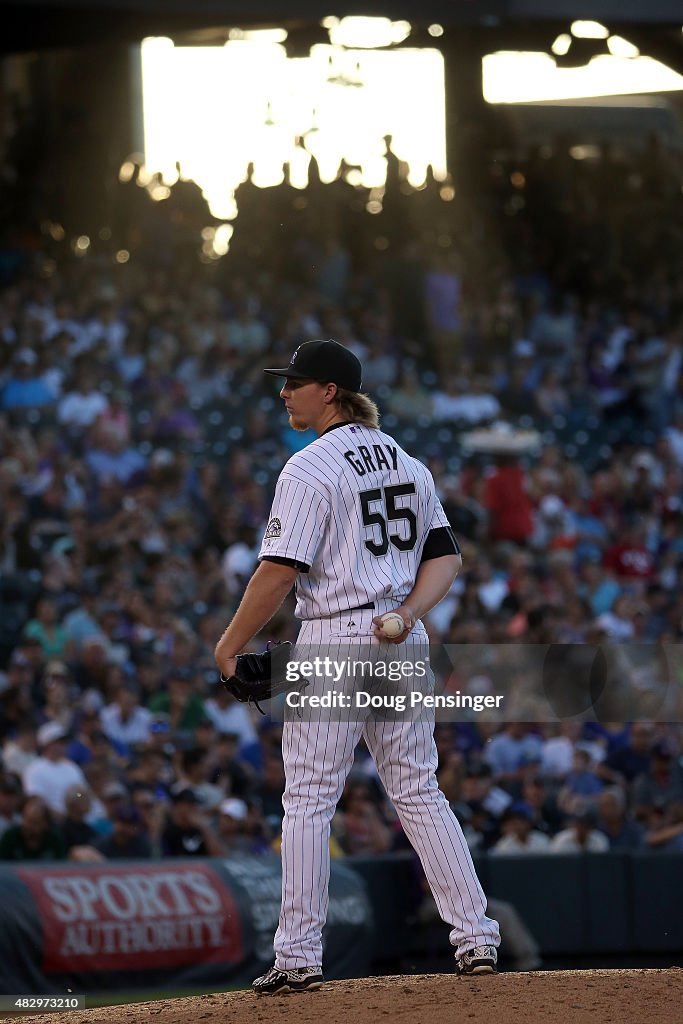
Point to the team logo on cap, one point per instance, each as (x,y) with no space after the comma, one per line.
(273,529)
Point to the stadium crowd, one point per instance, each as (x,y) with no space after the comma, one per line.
(139,442)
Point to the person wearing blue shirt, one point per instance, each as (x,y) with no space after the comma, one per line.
(22,390)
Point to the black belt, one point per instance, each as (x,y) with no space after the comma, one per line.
(362,608)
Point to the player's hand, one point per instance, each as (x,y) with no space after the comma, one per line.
(227,666)
(409,619)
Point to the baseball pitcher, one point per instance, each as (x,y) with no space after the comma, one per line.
(357,527)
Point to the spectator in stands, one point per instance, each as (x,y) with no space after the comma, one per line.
(551,398)
(507,502)
(508,751)
(35,838)
(359,824)
(184,708)
(581,785)
(76,830)
(125,721)
(538,795)
(663,780)
(557,754)
(409,400)
(187,832)
(151,766)
(58,706)
(629,559)
(581,835)
(518,834)
(47,628)
(194,774)
(229,716)
(233,832)
(631,759)
(18,752)
(665,827)
(622,833)
(23,388)
(127,840)
(11,795)
(80,407)
(152,811)
(16,699)
(51,773)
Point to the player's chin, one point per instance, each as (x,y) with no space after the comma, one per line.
(297,424)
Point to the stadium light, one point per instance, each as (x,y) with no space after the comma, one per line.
(620,47)
(366,33)
(561,44)
(589,30)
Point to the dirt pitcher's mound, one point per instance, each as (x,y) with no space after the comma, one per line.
(539,997)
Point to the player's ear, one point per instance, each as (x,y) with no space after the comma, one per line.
(330,393)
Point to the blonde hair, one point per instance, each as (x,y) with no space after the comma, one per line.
(357,408)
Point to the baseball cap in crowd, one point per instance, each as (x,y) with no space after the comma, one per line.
(324,361)
(50,733)
(235,808)
(519,809)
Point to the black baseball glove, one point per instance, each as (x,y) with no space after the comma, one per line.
(261,676)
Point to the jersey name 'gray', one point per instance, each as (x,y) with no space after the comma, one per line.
(354,510)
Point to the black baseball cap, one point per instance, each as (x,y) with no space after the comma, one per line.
(324,361)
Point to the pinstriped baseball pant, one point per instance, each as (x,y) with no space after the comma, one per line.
(318,749)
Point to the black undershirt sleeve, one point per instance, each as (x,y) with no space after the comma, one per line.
(440,541)
(301,566)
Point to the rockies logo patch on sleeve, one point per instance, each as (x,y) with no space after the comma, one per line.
(274,529)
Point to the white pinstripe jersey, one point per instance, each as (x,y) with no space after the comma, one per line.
(353,512)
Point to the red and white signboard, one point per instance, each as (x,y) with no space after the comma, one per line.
(134,917)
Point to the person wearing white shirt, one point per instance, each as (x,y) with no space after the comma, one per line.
(557,754)
(125,720)
(230,717)
(51,773)
(519,835)
(580,836)
(81,406)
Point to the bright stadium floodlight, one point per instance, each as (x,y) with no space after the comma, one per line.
(562,44)
(620,47)
(259,35)
(534,77)
(212,111)
(589,30)
(368,33)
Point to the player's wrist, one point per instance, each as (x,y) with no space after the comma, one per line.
(408,610)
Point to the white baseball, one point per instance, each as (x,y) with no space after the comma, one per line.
(392,624)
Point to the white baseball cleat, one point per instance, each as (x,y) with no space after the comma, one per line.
(299,979)
(480,960)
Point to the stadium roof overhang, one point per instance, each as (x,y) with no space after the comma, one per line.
(30,25)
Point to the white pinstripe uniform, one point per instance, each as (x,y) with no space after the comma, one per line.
(354,512)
